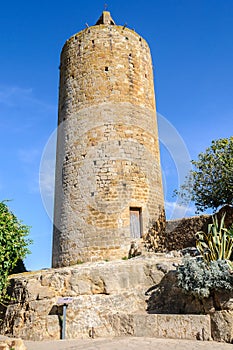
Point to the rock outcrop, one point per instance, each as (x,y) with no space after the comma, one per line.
(136,297)
(11,344)
(99,290)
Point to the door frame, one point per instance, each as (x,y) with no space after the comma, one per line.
(139,210)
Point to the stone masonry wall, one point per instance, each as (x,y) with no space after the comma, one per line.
(180,233)
(107,154)
(105,63)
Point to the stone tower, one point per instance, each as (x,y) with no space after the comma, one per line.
(108,187)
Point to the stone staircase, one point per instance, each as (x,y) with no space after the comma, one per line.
(110,299)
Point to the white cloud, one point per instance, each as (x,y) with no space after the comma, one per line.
(175,146)
(25,122)
(46,181)
(13,96)
(21,111)
(29,156)
(175,210)
(47,174)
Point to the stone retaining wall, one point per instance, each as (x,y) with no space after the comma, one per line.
(180,233)
(98,289)
(137,297)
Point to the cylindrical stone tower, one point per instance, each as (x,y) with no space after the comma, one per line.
(108,187)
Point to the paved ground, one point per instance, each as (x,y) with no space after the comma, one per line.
(127,344)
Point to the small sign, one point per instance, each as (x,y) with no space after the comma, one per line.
(64,300)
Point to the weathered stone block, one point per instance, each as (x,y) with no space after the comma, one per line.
(222,326)
(184,327)
(145,325)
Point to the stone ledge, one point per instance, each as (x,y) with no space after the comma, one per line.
(112,297)
(90,278)
(192,327)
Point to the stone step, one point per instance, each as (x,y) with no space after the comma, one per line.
(194,327)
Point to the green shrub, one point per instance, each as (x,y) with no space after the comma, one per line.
(209,184)
(13,245)
(197,277)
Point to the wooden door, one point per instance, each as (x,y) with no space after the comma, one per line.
(135,222)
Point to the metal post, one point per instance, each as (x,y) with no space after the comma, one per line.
(64,322)
(64,302)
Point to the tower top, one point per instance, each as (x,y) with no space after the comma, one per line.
(105,18)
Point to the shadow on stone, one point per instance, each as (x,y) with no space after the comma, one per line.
(57,310)
(168,298)
(19,267)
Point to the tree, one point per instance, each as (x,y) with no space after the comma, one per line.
(210,184)
(13,244)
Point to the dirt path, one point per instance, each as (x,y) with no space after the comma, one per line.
(127,344)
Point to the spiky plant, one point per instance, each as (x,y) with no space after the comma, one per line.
(217,243)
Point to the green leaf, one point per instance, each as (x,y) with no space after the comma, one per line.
(210,183)
(13,244)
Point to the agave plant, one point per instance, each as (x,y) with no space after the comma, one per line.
(217,243)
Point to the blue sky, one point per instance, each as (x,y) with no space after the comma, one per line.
(192,49)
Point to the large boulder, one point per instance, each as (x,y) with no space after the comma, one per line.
(98,289)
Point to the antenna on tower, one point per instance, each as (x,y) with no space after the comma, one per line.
(105,7)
